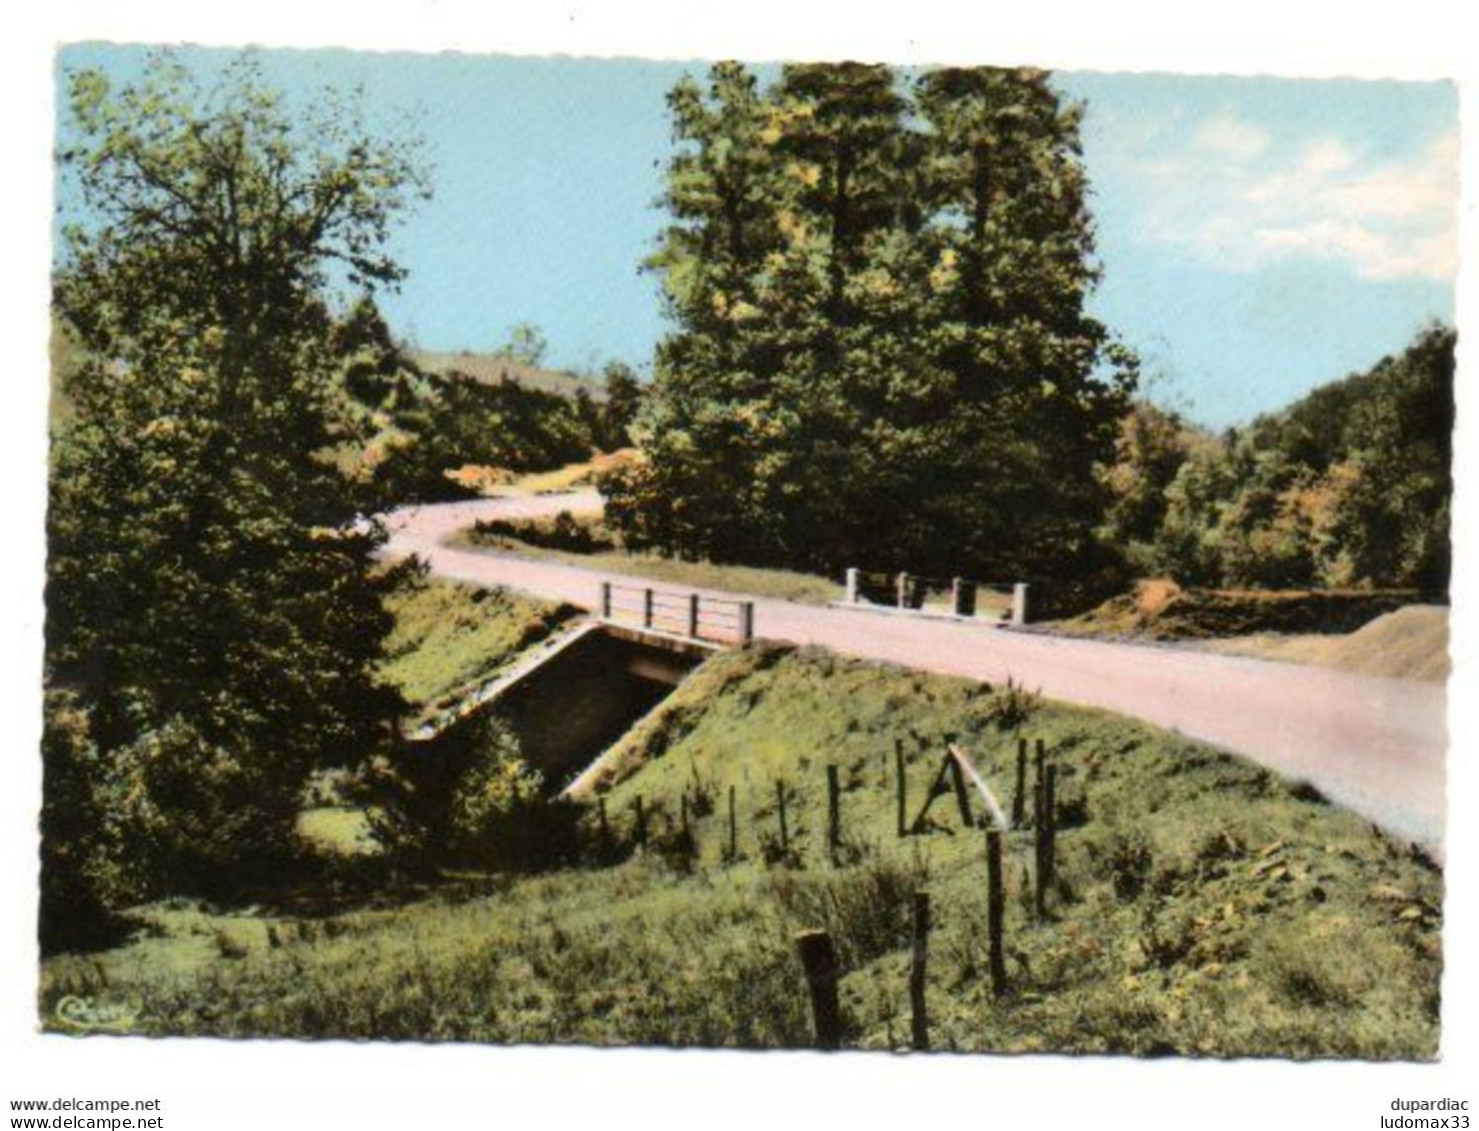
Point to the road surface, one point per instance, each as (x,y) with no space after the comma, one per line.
(1375,745)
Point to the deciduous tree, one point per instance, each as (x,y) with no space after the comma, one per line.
(880,354)
(210,602)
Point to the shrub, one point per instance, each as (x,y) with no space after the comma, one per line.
(498,815)
(1014,705)
(865,908)
(81,875)
(1128,861)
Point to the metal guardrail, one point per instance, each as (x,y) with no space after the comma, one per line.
(718,620)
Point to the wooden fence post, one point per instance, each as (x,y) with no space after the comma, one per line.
(918,1012)
(747,621)
(899,775)
(1050,825)
(995,904)
(733,840)
(780,808)
(647,608)
(962,799)
(1039,819)
(693,616)
(901,590)
(1019,799)
(851,583)
(1045,806)
(1040,780)
(606,600)
(819,960)
(834,812)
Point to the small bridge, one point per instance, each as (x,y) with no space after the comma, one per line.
(569,698)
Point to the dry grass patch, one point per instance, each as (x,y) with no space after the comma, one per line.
(1411,643)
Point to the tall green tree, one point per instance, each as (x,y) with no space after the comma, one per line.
(781,202)
(1150,450)
(697,494)
(624,393)
(1038,386)
(880,354)
(210,604)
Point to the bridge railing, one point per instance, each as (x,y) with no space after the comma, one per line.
(959,596)
(718,620)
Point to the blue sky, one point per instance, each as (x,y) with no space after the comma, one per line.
(1258,236)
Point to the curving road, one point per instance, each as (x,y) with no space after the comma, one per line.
(1375,745)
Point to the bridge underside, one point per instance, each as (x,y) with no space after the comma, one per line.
(585,696)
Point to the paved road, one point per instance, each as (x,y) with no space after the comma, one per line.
(1376,745)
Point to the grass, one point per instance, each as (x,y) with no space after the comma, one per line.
(338,830)
(1411,643)
(449,636)
(535,538)
(1159,609)
(1205,907)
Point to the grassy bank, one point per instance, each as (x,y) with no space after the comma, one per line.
(588,542)
(1205,907)
(1411,643)
(449,639)
(449,636)
(1159,609)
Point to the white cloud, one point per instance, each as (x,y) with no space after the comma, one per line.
(1227,136)
(1232,194)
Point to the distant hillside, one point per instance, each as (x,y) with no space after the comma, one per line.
(490,369)
(1349,486)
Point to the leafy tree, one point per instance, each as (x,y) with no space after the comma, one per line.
(1150,449)
(526,344)
(1350,485)
(880,355)
(1038,388)
(691,498)
(209,604)
(456,419)
(619,412)
(1188,542)
(1397,519)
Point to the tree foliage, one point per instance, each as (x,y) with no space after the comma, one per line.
(624,396)
(209,604)
(410,429)
(526,344)
(880,355)
(452,419)
(1350,485)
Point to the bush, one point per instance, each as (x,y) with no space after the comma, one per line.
(866,909)
(563,532)
(82,877)
(168,813)
(498,814)
(1128,863)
